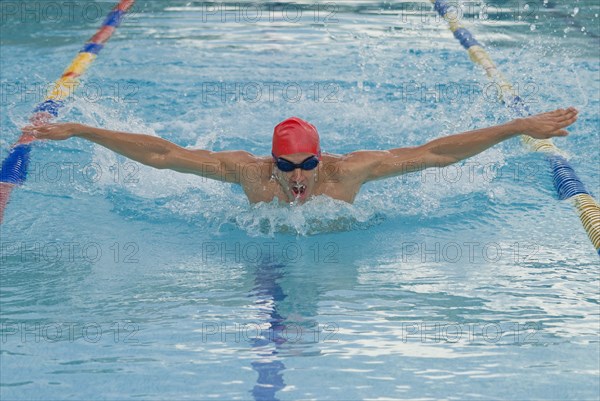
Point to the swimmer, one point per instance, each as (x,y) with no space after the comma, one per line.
(297,170)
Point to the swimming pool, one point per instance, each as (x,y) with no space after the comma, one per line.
(470,282)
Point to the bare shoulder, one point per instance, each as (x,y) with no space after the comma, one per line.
(233,166)
(352,166)
(246,163)
(348,167)
(369,165)
(362,157)
(235,156)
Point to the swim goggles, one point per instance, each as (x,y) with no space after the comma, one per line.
(285,165)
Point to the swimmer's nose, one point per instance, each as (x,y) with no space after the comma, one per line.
(297,174)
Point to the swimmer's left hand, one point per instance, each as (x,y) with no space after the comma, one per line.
(54,131)
(548,125)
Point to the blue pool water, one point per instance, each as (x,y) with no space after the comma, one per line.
(472,282)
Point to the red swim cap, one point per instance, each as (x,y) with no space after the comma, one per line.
(295,135)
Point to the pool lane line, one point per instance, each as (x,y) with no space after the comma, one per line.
(14,167)
(566,182)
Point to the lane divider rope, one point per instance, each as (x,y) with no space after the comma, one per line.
(14,167)
(566,182)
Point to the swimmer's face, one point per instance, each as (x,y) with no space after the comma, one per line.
(298,184)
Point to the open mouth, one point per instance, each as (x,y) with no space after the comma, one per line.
(298,190)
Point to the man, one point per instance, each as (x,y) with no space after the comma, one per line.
(296,169)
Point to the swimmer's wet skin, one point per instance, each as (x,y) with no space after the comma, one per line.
(296,169)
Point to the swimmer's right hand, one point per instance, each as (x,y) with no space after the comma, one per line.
(55,131)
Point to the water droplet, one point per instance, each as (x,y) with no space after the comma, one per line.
(583,29)
(532,27)
(526,7)
(575,11)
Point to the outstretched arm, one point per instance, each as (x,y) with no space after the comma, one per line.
(441,152)
(152,151)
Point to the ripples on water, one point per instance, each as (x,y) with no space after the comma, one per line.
(431,286)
